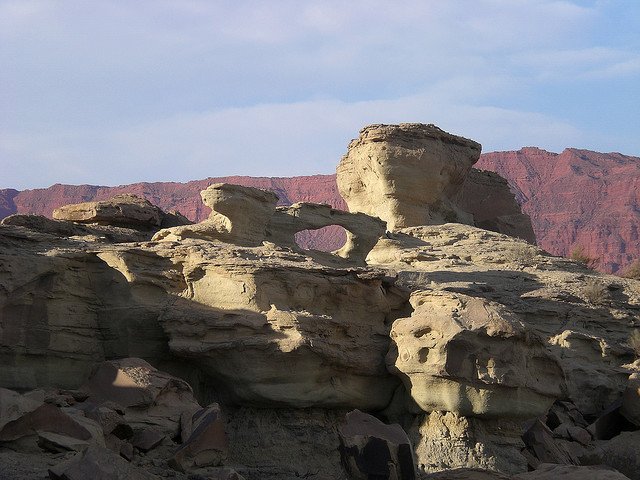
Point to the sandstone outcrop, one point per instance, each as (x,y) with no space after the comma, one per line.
(489,353)
(463,354)
(406,174)
(248,216)
(362,231)
(122,210)
(239,215)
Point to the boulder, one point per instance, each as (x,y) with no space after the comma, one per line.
(363,231)
(406,174)
(466,474)
(630,407)
(542,447)
(570,472)
(149,397)
(239,216)
(45,418)
(98,463)
(204,441)
(127,210)
(89,233)
(372,449)
(623,454)
(14,405)
(471,356)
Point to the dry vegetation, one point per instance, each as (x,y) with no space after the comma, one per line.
(595,292)
(579,254)
(632,271)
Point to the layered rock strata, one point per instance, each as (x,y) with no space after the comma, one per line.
(478,345)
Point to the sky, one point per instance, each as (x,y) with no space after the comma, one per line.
(110,92)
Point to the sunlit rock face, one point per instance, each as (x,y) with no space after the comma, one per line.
(406,174)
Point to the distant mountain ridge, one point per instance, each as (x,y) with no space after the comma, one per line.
(574,198)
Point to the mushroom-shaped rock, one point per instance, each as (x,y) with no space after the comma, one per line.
(474,357)
(406,174)
(363,231)
(239,216)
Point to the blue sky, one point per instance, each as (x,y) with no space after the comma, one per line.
(114,92)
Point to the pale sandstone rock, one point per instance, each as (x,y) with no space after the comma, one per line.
(93,232)
(363,231)
(406,174)
(120,210)
(471,356)
(239,215)
(445,440)
(544,292)
(466,474)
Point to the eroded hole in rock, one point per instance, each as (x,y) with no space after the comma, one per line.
(326,239)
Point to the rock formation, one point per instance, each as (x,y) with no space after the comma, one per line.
(577,198)
(239,215)
(406,174)
(234,353)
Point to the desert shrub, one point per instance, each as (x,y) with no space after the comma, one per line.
(521,253)
(579,254)
(595,292)
(632,271)
(634,342)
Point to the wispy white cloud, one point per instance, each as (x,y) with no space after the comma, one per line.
(114,92)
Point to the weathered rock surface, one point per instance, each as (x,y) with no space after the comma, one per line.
(630,407)
(363,231)
(466,339)
(570,472)
(204,440)
(148,397)
(99,464)
(545,294)
(602,215)
(372,449)
(61,228)
(488,197)
(239,215)
(406,174)
(446,440)
(602,219)
(127,210)
(472,356)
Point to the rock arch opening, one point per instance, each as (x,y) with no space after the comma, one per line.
(325,239)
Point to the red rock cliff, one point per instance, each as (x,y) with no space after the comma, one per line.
(577,198)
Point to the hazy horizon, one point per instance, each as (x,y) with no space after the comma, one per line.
(115,92)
